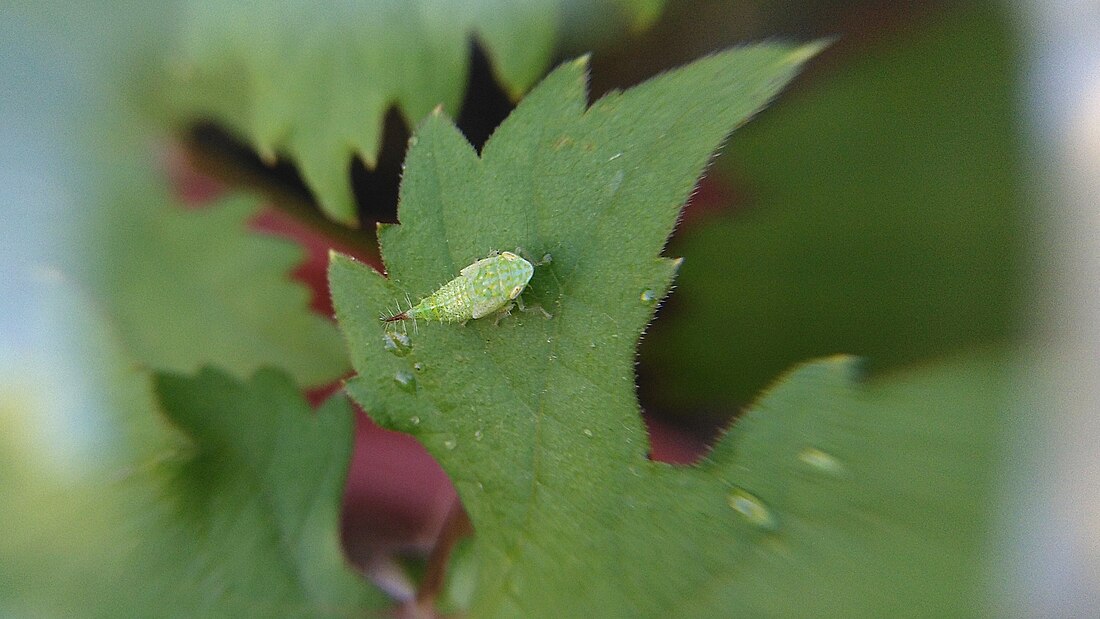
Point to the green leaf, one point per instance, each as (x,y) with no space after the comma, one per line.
(867,501)
(886,220)
(232,510)
(190,287)
(313,83)
(253,524)
(536,420)
(246,525)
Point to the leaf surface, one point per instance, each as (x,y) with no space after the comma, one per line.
(313,83)
(536,420)
(227,505)
(190,287)
(885,218)
(252,511)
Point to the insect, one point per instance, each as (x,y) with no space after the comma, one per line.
(490,285)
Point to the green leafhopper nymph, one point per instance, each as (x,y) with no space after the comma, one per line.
(490,285)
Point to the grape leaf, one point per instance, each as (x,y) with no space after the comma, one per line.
(185,288)
(888,230)
(536,420)
(253,525)
(315,82)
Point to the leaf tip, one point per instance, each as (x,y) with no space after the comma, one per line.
(851,365)
(368,156)
(645,15)
(266,153)
(515,92)
(802,53)
(336,258)
(842,358)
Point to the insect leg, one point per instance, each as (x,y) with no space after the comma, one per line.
(546,258)
(533,308)
(502,312)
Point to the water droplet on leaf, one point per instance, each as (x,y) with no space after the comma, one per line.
(419,367)
(450,443)
(588,433)
(405,380)
(397,343)
(616,182)
(649,296)
(414,420)
(478,435)
(752,509)
(824,462)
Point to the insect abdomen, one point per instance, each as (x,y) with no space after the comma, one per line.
(451,303)
(482,288)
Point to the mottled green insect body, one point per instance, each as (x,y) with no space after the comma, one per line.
(482,288)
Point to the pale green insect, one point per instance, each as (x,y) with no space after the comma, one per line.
(490,285)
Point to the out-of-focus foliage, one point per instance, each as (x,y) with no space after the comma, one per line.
(251,509)
(312,82)
(239,517)
(881,223)
(883,219)
(185,288)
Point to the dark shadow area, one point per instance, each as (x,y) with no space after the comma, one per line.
(236,164)
(687,31)
(376,190)
(484,106)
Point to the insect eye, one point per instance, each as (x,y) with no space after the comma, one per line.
(515,292)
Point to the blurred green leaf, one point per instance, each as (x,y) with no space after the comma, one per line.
(189,287)
(251,512)
(314,82)
(536,420)
(885,220)
(856,501)
(232,512)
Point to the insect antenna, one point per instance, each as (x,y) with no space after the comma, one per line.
(395,317)
(405,316)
